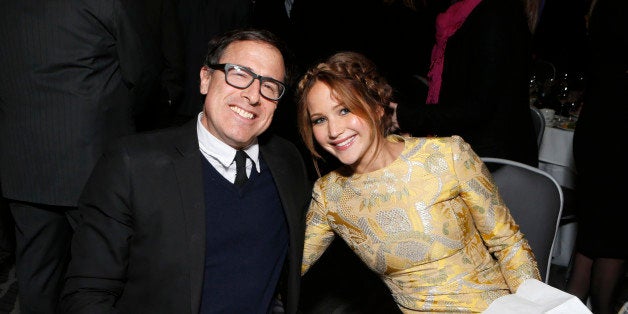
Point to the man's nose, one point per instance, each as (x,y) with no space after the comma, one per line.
(252,92)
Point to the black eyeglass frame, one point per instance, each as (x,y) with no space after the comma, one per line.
(226,66)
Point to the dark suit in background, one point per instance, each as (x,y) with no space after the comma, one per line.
(399,40)
(166,93)
(73,71)
(7,235)
(601,253)
(560,36)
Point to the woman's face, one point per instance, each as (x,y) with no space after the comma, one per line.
(340,132)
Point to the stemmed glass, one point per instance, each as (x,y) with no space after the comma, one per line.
(576,91)
(569,91)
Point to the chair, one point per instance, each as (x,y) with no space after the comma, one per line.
(535,201)
(539,124)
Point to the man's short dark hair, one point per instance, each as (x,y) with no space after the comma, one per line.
(218,45)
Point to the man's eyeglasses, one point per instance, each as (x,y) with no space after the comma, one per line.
(242,77)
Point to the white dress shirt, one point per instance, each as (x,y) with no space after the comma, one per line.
(221,156)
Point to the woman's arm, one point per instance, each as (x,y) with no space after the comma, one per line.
(318,233)
(492,218)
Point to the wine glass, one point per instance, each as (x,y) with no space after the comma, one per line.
(562,93)
(575,95)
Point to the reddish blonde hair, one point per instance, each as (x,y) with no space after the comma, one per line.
(356,84)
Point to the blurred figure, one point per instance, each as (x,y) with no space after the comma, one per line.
(7,257)
(478,80)
(74,72)
(7,236)
(166,93)
(560,35)
(423,213)
(602,242)
(533,10)
(379,29)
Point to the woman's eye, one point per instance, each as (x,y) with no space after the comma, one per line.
(318,120)
(344,111)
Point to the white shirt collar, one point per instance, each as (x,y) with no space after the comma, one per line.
(213,148)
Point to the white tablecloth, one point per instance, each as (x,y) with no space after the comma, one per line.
(556,156)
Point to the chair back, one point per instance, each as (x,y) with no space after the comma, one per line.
(535,201)
(539,124)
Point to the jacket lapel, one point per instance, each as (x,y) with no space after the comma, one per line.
(189,172)
(276,163)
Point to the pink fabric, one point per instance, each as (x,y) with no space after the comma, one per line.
(447,23)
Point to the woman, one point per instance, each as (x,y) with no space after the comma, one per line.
(423,213)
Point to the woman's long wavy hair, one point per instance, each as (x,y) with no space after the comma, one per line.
(357,85)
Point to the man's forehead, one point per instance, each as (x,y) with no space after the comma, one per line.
(246,45)
(256,55)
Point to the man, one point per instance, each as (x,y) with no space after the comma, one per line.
(166,230)
(72,71)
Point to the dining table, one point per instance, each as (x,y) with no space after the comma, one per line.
(556,155)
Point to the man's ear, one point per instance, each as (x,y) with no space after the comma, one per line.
(205,79)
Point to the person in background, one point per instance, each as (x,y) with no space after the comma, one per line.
(560,36)
(172,223)
(7,237)
(74,74)
(601,250)
(384,38)
(8,283)
(166,93)
(477,82)
(533,9)
(423,213)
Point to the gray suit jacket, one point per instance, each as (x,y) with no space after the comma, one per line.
(141,245)
(72,71)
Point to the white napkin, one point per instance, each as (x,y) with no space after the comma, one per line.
(534,297)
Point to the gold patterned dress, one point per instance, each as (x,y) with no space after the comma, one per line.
(431,224)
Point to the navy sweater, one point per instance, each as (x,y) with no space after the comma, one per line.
(247,242)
